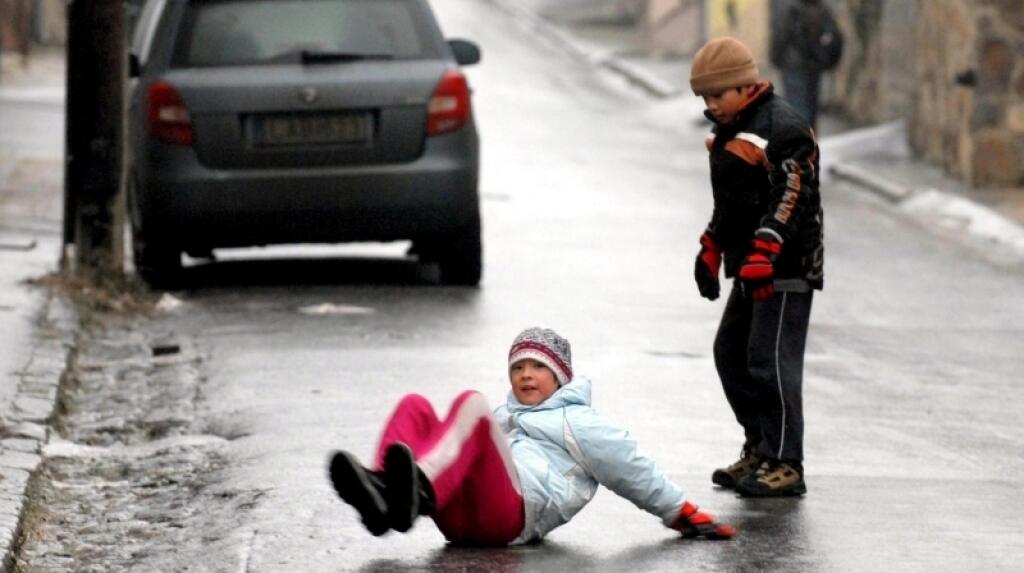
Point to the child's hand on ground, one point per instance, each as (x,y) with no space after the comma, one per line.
(692,523)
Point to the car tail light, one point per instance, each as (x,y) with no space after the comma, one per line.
(168,117)
(448,108)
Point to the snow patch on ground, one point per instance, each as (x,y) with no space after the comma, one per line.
(61,448)
(977,223)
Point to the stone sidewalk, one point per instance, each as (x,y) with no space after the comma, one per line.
(37,326)
(876,159)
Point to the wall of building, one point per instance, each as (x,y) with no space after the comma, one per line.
(674,27)
(875,81)
(41,21)
(680,27)
(51,22)
(744,19)
(969,114)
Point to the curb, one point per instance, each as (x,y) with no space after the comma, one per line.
(537,23)
(838,150)
(941,211)
(646,81)
(1000,238)
(640,77)
(24,428)
(888,190)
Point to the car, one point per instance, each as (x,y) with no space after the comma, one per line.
(263,122)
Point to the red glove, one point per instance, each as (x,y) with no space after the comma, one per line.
(705,269)
(692,523)
(757,273)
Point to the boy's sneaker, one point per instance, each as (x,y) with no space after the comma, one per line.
(773,479)
(730,476)
(360,488)
(402,486)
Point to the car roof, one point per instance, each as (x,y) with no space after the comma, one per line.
(155,30)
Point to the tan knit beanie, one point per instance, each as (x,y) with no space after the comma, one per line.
(721,64)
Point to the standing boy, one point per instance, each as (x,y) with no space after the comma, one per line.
(767,227)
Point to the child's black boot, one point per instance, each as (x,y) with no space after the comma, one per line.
(774,478)
(730,476)
(407,490)
(360,488)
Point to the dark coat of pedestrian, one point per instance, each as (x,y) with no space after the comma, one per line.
(805,42)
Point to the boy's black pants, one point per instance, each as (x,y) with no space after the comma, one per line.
(759,353)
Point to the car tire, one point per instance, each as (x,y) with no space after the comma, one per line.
(459,255)
(157,263)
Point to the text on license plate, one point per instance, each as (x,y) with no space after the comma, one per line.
(311,129)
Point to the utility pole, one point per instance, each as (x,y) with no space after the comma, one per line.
(93,137)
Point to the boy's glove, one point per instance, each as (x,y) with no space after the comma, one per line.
(706,267)
(692,523)
(757,273)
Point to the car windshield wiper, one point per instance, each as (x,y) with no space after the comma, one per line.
(309,57)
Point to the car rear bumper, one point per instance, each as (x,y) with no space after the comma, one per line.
(195,206)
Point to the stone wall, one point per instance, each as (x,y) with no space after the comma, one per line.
(874,82)
(969,115)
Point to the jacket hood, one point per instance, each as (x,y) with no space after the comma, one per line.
(577,391)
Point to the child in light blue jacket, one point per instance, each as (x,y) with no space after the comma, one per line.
(513,475)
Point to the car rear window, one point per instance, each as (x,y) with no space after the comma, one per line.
(253,32)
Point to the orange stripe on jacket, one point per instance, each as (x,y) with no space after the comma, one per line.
(748,152)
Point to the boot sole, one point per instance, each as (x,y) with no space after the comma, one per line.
(353,486)
(727,480)
(401,481)
(792,491)
(723,479)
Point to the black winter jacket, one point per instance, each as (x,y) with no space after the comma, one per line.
(764,175)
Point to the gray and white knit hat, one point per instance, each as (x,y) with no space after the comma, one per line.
(545,346)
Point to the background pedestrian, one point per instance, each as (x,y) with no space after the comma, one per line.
(805,42)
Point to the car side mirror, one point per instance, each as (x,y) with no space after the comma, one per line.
(134,66)
(466,53)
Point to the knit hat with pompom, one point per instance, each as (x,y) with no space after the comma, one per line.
(545,346)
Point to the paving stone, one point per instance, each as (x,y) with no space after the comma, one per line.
(20,460)
(28,430)
(9,517)
(33,409)
(24,445)
(13,480)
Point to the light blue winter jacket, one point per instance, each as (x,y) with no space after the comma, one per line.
(563,449)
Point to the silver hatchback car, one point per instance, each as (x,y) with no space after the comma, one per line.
(258,122)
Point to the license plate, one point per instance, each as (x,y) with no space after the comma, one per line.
(311,129)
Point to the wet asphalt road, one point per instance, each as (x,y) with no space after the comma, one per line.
(593,199)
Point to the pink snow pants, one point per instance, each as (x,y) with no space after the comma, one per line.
(469,464)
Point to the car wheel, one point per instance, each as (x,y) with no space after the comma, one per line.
(157,263)
(461,259)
